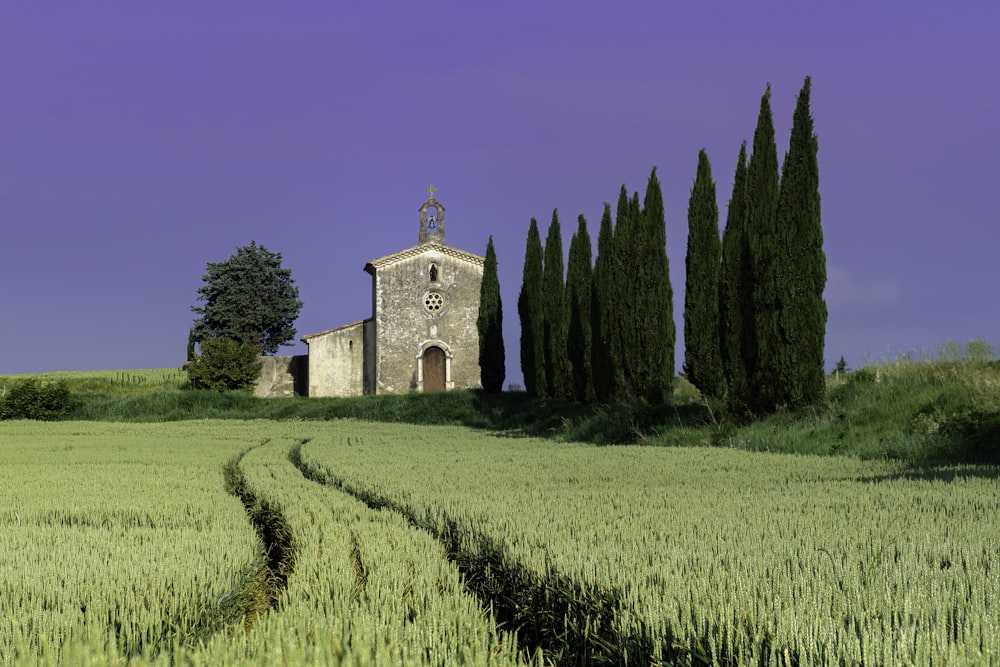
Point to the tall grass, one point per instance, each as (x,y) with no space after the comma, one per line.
(926,408)
(120,538)
(645,555)
(108,383)
(923,411)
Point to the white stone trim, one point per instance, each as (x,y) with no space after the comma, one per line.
(432,249)
(448,383)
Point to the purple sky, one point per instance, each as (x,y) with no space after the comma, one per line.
(140,140)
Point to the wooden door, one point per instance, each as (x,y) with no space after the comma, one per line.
(433,361)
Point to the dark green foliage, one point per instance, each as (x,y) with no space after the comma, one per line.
(634,326)
(579,342)
(765,267)
(735,298)
(620,288)
(702,348)
(35,399)
(492,362)
(735,295)
(225,364)
(531,314)
(802,313)
(602,363)
(554,307)
(649,353)
(249,298)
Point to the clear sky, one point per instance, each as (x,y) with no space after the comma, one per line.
(140,140)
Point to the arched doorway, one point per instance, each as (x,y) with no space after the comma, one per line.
(433,361)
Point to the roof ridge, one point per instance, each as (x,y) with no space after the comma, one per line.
(413,251)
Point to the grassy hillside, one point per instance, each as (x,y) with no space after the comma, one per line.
(108,383)
(916,410)
(921,411)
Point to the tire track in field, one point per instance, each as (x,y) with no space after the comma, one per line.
(276,537)
(262,583)
(554,617)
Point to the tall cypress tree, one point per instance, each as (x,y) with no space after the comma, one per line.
(579,341)
(765,264)
(735,293)
(529,310)
(602,363)
(492,362)
(554,307)
(702,349)
(802,316)
(651,300)
(620,308)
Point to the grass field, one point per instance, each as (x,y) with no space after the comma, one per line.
(405,544)
(119,540)
(164,543)
(937,410)
(161,525)
(693,556)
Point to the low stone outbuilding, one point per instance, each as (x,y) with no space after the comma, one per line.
(422,334)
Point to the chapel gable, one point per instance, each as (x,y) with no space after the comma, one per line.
(422,335)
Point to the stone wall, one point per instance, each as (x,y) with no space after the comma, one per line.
(282,376)
(404,327)
(337,361)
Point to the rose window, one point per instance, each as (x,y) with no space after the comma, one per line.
(433,302)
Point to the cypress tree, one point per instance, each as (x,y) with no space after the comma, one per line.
(765,265)
(702,349)
(579,342)
(651,301)
(802,316)
(529,310)
(554,318)
(620,309)
(602,362)
(735,297)
(492,364)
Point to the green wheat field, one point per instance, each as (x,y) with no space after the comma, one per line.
(331,540)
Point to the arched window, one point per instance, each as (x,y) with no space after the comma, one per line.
(434,273)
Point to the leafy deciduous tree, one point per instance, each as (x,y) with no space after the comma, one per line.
(225,364)
(248,298)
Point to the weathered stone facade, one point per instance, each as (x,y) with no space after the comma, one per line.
(282,376)
(337,361)
(422,335)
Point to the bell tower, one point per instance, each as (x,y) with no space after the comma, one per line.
(432,220)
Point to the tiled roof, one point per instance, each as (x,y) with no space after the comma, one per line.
(417,250)
(305,339)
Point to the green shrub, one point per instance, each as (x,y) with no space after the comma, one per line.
(225,364)
(33,399)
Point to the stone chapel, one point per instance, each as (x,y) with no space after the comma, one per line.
(422,334)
